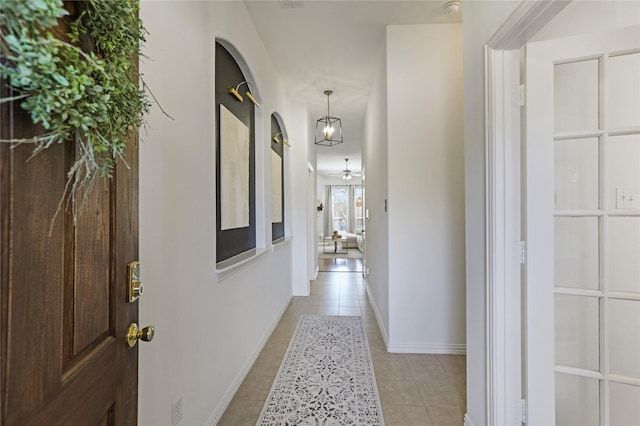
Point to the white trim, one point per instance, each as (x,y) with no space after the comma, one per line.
(525,21)
(217,413)
(467,420)
(242,263)
(312,250)
(383,330)
(281,242)
(504,364)
(503,198)
(431,348)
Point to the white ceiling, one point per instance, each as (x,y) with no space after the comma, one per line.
(336,45)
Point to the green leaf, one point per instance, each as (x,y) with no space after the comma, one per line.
(38,4)
(60,79)
(12,41)
(77,95)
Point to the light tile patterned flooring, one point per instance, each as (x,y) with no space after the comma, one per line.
(414,389)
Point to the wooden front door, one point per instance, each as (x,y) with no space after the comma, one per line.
(64,360)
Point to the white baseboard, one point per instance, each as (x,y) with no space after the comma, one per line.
(467,420)
(215,417)
(447,349)
(383,330)
(429,348)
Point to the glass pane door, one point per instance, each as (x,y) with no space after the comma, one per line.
(597,239)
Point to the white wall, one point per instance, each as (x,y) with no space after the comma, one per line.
(300,157)
(584,17)
(208,331)
(481,20)
(374,159)
(426,189)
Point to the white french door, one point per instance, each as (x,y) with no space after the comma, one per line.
(582,227)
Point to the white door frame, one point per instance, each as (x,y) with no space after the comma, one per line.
(312,249)
(503,231)
(506,366)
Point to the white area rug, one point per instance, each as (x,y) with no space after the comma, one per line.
(326,377)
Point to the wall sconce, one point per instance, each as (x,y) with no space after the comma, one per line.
(284,138)
(234,92)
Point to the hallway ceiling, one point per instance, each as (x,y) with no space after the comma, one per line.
(337,45)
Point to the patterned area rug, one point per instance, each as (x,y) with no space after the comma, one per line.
(326,377)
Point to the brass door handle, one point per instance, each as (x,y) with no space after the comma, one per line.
(134,334)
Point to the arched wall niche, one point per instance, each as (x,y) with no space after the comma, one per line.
(280,121)
(239,238)
(278,178)
(244,67)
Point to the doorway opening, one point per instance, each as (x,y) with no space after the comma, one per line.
(340,244)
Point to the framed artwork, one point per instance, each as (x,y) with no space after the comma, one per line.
(276,187)
(277,180)
(234,171)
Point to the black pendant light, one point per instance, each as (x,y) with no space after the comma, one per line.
(328,128)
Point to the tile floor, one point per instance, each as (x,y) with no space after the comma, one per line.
(414,389)
(340,265)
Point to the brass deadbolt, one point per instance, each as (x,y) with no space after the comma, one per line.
(134,283)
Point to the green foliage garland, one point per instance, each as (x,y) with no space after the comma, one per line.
(86,97)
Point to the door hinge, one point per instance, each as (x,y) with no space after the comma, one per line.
(522,252)
(517,96)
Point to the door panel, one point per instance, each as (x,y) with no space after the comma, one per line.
(580,403)
(63,291)
(89,292)
(624,252)
(576,96)
(27,321)
(624,86)
(583,229)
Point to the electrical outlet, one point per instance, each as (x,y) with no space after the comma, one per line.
(176,412)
